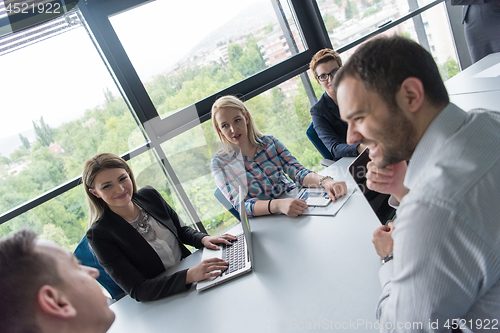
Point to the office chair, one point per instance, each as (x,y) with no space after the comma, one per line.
(222,199)
(87,257)
(328,159)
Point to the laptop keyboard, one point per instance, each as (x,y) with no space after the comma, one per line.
(234,254)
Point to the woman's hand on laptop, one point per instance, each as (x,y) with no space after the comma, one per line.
(206,269)
(210,241)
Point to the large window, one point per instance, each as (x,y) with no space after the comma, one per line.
(73,88)
(282,111)
(60,106)
(348,20)
(182,59)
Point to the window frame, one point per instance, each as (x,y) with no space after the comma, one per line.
(97,13)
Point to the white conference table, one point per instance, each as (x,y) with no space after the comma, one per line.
(482,76)
(309,272)
(478,86)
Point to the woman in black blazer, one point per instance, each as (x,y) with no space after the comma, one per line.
(136,235)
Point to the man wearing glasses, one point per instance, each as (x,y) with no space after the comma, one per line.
(325,113)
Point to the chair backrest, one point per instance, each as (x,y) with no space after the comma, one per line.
(316,141)
(87,257)
(222,199)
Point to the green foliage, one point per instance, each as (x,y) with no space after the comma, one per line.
(351,9)
(111,128)
(371,11)
(449,69)
(24,141)
(247,62)
(338,2)
(405,34)
(234,52)
(268,29)
(330,22)
(19,154)
(108,95)
(43,132)
(4,160)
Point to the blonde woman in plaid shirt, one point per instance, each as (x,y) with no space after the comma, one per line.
(259,163)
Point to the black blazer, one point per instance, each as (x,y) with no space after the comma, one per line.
(331,129)
(129,259)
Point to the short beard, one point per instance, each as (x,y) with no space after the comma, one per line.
(401,134)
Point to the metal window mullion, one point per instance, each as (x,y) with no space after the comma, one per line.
(113,76)
(418,23)
(178,189)
(120,64)
(113,7)
(137,95)
(287,32)
(59,190)
(454,14)
(388,26)
(311,24)
(315,35)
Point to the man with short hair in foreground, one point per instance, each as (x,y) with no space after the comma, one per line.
(43,288)
(445,243)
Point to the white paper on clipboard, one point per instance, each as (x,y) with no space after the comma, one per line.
(332,208)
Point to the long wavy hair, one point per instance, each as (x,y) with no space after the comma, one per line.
(92,167)
(253,132)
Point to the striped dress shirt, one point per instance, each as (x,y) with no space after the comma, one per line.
(447,234)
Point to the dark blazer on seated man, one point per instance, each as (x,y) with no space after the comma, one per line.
(331,129)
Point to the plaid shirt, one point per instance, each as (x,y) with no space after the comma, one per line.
(263,176)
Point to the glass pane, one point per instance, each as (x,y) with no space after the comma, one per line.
(148,172)
(64,219)
(287,101)
(430,29)
(190,153)
(183,58)
(60,106)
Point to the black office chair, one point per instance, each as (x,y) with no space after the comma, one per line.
(328,159)
(87,257)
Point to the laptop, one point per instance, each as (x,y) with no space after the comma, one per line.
(239,254)
(378,201)
(357,169)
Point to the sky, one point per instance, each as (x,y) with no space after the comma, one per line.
(63,76)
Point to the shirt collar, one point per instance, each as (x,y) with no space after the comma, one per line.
(447,122)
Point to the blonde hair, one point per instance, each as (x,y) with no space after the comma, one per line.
(229,101)
(92,167)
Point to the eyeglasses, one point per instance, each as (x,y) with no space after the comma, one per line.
(324,77)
